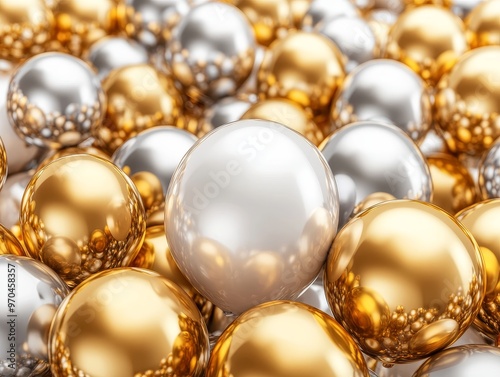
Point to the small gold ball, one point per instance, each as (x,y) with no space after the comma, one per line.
(483,24)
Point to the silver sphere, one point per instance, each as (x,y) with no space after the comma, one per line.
(38,292)
(321,10)
(250,214)
(157,150)
(11,197)
(385,90)
(212,51)
(114,52)
(224,111)
(55,100)
(489,173)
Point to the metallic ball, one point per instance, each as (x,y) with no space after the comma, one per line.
(353,36)
(3,164)
(55,100)
(315,296)
(10,244)
(489,173)
(304,67)
(80,23)
(19,154)
(429,39)
(388,91)
(320,10)
(151,22)
(463,361)
(462,8)
(347,197)
(158,151)
(80,215)
(25,28)
(405,279)
(433,143)
(378,158)
(212,51)
(139,97)
(224,111)
(128,322)
(483,28)
(380,22)
(257,174)
(30,293)
(115,52)
(467,106)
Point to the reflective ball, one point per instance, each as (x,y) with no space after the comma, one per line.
(429,39)
(30,293)
(388,91)
(489,173)
(55,100)
(239,170)
(405,279)
(212,51)
(158,151)
(483,28)
(320,10)
(467,108)
(110,53)
(11,196)
(80,215)
(224,111)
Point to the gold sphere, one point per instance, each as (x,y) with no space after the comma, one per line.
(150,190)
(287,113)
(70,151)
(79,23)
(429,39)
(467,106)
(482,221)
(270,19)
(9,244)
(26,26)
(483,24)
(406,280)
(284,338)
(453,187)
(306,68)
(128,322)
(139,97)
(80,215)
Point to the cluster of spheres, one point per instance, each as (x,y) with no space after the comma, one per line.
(249,188)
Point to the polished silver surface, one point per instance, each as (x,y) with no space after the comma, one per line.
(224,111)
(470,336)
(433,143)
(212,51)
(321,10)
(152,19)
(11,196)
(157,150)
(19,154)
(489,173)
(353,37)
(114,52)
(463,361)
(55,100)
(36,293)
(347,197)
(250,214)
(315,296)
(385,90)
(378,158)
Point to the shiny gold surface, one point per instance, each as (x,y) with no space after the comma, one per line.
(155,255)
(482,220)
(429,39)
(26,26)
(150,190)
(285,339)
(9,244)
(299,10)
(406,279)
(139,97)
(306,68)
(468,102)
(287,113)
(454,188)
(80,215)
(4,167)
(270,19)
(79,23)
(371,200)
(70,152)
(128,323)
(482,24)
